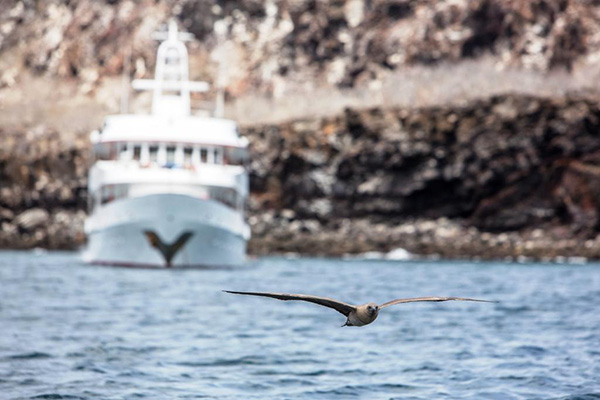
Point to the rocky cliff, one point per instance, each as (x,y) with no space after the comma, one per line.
(511,175)
(278,44)
(508,176)
(457,128)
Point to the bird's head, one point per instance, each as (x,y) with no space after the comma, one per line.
(372,308)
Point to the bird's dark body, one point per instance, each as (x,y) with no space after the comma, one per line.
(355,315)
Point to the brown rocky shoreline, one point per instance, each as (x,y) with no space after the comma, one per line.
(510,176)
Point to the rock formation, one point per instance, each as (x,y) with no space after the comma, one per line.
(489,174)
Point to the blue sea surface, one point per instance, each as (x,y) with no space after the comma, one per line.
(74,331)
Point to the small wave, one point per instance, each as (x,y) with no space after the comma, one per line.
(247,360)
(424,367)
(56,396)
(329,372)
(90,368)
(357,390)
(518,366)
(542,381)
(513,378)
(464,355)
(513,310)
(131,349)
(295,382)
(530,350)
(29,382)
(246,335)
(75,354)
(36,355)
(133,374)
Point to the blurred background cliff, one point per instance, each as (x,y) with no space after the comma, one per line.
(455,128)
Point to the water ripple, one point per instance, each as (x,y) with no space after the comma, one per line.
(71,331)
(35,355)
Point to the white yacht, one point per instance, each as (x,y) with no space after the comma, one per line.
(168,188)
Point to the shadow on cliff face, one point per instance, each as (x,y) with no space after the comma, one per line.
(43,190)
(504,164)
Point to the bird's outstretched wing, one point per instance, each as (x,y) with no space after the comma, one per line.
(339,306)
(416,299)
(181,240)
(153,239)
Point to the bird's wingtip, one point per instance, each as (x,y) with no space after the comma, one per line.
(489,301)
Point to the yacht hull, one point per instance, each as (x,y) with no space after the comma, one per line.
(166,230)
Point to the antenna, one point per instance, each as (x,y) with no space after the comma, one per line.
(170,86)
(173,34)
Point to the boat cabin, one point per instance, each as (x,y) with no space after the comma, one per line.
(169,154)
(137,155)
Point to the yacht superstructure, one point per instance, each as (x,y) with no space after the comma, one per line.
(168,188)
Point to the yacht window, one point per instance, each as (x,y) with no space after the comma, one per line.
(172,56)
(153,153)
(121,191)
(218,155)
(122,151)
(170,155)
(226,196)
(102,151)
(114,151)
(229,197)
(90,204)
(108,194)
(137,152)
(235,156)
(187,156)
(203,155)
(227,156)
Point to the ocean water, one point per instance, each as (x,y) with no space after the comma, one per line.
(73,331)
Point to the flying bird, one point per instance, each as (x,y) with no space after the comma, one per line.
(356,315)
(168,250)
